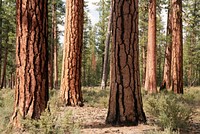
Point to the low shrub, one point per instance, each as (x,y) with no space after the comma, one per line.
(169,110)
(51,123)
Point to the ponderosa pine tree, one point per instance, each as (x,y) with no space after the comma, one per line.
(125,103)
(55,44)
(31,92)
(71,69)
(166,82)
(0,38)
(177,47)
(150,79)
(106,53)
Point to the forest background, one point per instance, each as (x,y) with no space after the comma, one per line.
(94,37)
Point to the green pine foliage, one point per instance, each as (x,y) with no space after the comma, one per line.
(191,53)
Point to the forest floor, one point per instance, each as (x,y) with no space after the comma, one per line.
(92,121)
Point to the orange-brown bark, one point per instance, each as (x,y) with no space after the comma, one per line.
(177,47)
(150,79)
(71,70)
(125,103)
(166,82)
(31,92)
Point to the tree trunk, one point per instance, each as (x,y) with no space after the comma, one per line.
(55,68)
(3,81)
(150,79)
(71,93)
(125,103)
(31,92)
(106,55)
(143,64)
(51,58)
(0,38)
(166,82)
(177,47)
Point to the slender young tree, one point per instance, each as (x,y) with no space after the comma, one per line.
(55,45)
(125,103)
(71,70)
(31,92)
(0,38)
(150,79)
(177,47)
(3,80)
(106,55)
(166,82)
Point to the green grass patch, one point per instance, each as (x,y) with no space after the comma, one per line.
(6,107)
(96,97)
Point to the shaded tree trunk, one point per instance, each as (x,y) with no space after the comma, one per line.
(3,81)
(166,82)
(143,64)
(177,47)
(106,55)
(51,58)
(55,68)
(31,92)
(71,93)
(150,79)
(125,103)
(0,38)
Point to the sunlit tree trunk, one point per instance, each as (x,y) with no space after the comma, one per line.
(166,82)
(177,47)
(31,92)
(125,103)
(150,79)
(106,55)
(71,72)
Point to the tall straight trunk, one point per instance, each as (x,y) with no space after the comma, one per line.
(143,64)
(125,103)
(0,38)
(71,93)
(150,79)
(31,91)
(55,68)
(4,68)
(51,58)
(106,55)
(166,82)
(177,47)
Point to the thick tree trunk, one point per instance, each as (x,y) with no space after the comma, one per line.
(177,47)
(150,79)
(3,80)
(55,68)
(106,55)
(125,103)
(166,82)
(31,92)
(71,72)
